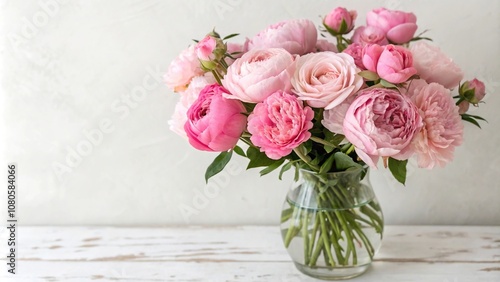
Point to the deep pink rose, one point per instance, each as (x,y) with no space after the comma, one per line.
(434,66)
(188,97)
(205,48)
(182,70)
(381,123)
(325,79)
(296,36)
(279,124)
(338,15)
(479,90)
(395,64)
(355,50)
(325,45)
(390,62)
(398,26)
(258,74)
(366,35)
(442,131)
(215,123)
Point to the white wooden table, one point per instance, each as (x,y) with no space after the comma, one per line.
(242,253)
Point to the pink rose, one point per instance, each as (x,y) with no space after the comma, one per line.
(182,70)
(390,62)
(398,26)
(479,90)
(333,119)
(179,118)
(355,50)
(258,74)
(366,35)
(340,20)
(434,66)
(279,124)
(215,123)
(205,48)
(325,79)
(381,123)
(324,45)
(296,36)
(442,131)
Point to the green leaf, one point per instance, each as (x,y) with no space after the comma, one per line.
(285,168)
(372,76)
(327,165)
(420,38)
(230,36)
(272,167)
(398,169)
(237,149)
(477,117)
(343,161)
(218,164)
(333,138)
(257,158)
(471,120)
(387,84)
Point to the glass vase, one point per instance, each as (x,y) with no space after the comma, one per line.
(332,223)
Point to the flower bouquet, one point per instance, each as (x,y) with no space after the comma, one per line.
(328,110)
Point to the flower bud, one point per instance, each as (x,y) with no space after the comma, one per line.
(340,21)
(473,91)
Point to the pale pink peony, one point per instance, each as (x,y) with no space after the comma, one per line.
(182,70)
(366,35)
(258,74)
(325,45)
(381,123)
(280,124)
(390,62)
(355,50)
(205,48)
(179,118)
(338,15)
(326,79)
(442,131)
(234,48)
(333,119)
(399,27)
(296,36)
(214,122)
(434,66)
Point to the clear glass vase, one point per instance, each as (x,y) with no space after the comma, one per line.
(332,224)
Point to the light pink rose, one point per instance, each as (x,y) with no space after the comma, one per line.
(296,36)
(279,124)
(326,79)
(398,26)
(479,90)
(338,15)
(395,64)
(366,35)
(182,70)
(355,50)
(325,45)
(215,123)
(434,66)
(258,74)
(435,143)
(333,119)
(179,118)
(381,123)
(205,48)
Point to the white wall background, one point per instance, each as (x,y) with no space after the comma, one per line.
(70,66)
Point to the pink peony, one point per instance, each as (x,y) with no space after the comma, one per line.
(390,62)
(355,50)
(398,26)
(340,20)
(325,79)
(234,48)
(381,123)
(325,45)
(215,123)
(366,35)
(434,66)
(182,70)
(179,118)
(258,74)
(205,48)
(442,127)
(296,36)
(333,119)
(279,124)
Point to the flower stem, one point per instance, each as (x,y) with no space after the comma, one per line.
(305,159)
